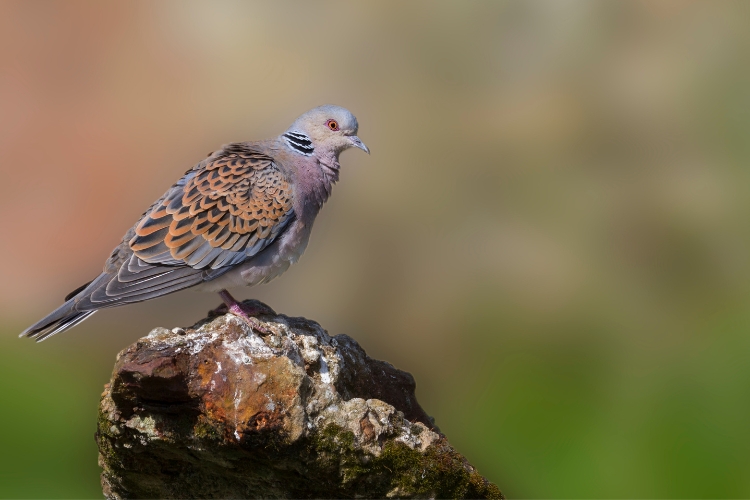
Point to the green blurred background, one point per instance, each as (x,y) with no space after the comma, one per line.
(552,232)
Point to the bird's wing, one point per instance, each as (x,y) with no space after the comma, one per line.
(227,209)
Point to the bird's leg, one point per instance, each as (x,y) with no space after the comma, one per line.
(245,312)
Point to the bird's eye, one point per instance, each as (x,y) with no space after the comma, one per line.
(333,124)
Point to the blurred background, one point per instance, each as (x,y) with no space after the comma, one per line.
(552,232)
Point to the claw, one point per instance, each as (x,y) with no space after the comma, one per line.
(256,325)
(244,311)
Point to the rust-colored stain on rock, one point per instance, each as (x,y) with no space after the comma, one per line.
(246,397)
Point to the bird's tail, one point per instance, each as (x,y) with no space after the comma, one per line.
(64,317)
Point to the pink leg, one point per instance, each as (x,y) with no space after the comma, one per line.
(245,312)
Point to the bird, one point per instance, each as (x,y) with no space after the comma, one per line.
(240,217)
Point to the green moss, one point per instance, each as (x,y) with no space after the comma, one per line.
(104,439)
(102,423)
(479,487)
(204,430)
(334,438)
(438,472)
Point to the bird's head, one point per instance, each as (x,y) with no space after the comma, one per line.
(329,129)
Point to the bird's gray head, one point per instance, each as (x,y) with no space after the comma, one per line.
(326,129)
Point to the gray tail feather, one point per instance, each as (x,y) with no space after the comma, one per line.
(59,320)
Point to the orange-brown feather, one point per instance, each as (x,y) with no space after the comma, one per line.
(231,202)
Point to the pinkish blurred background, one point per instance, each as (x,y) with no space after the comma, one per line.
(552,232)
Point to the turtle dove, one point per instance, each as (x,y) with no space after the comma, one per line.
(241,216)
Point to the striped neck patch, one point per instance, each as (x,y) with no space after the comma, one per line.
(299,142)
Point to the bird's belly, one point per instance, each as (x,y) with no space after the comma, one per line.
(267,265)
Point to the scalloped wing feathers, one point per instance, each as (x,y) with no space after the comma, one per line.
(228,209)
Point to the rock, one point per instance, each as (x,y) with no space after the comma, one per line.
(219,411)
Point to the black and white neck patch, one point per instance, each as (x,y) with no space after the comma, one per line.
(299,142)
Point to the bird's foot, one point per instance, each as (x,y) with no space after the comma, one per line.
(241,310)
(246,310)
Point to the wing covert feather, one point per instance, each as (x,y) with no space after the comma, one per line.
(227,209)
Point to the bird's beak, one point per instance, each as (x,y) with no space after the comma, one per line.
(357,143)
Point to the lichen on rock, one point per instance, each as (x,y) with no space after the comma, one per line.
(217,411)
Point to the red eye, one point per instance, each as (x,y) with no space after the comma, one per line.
(333,124)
